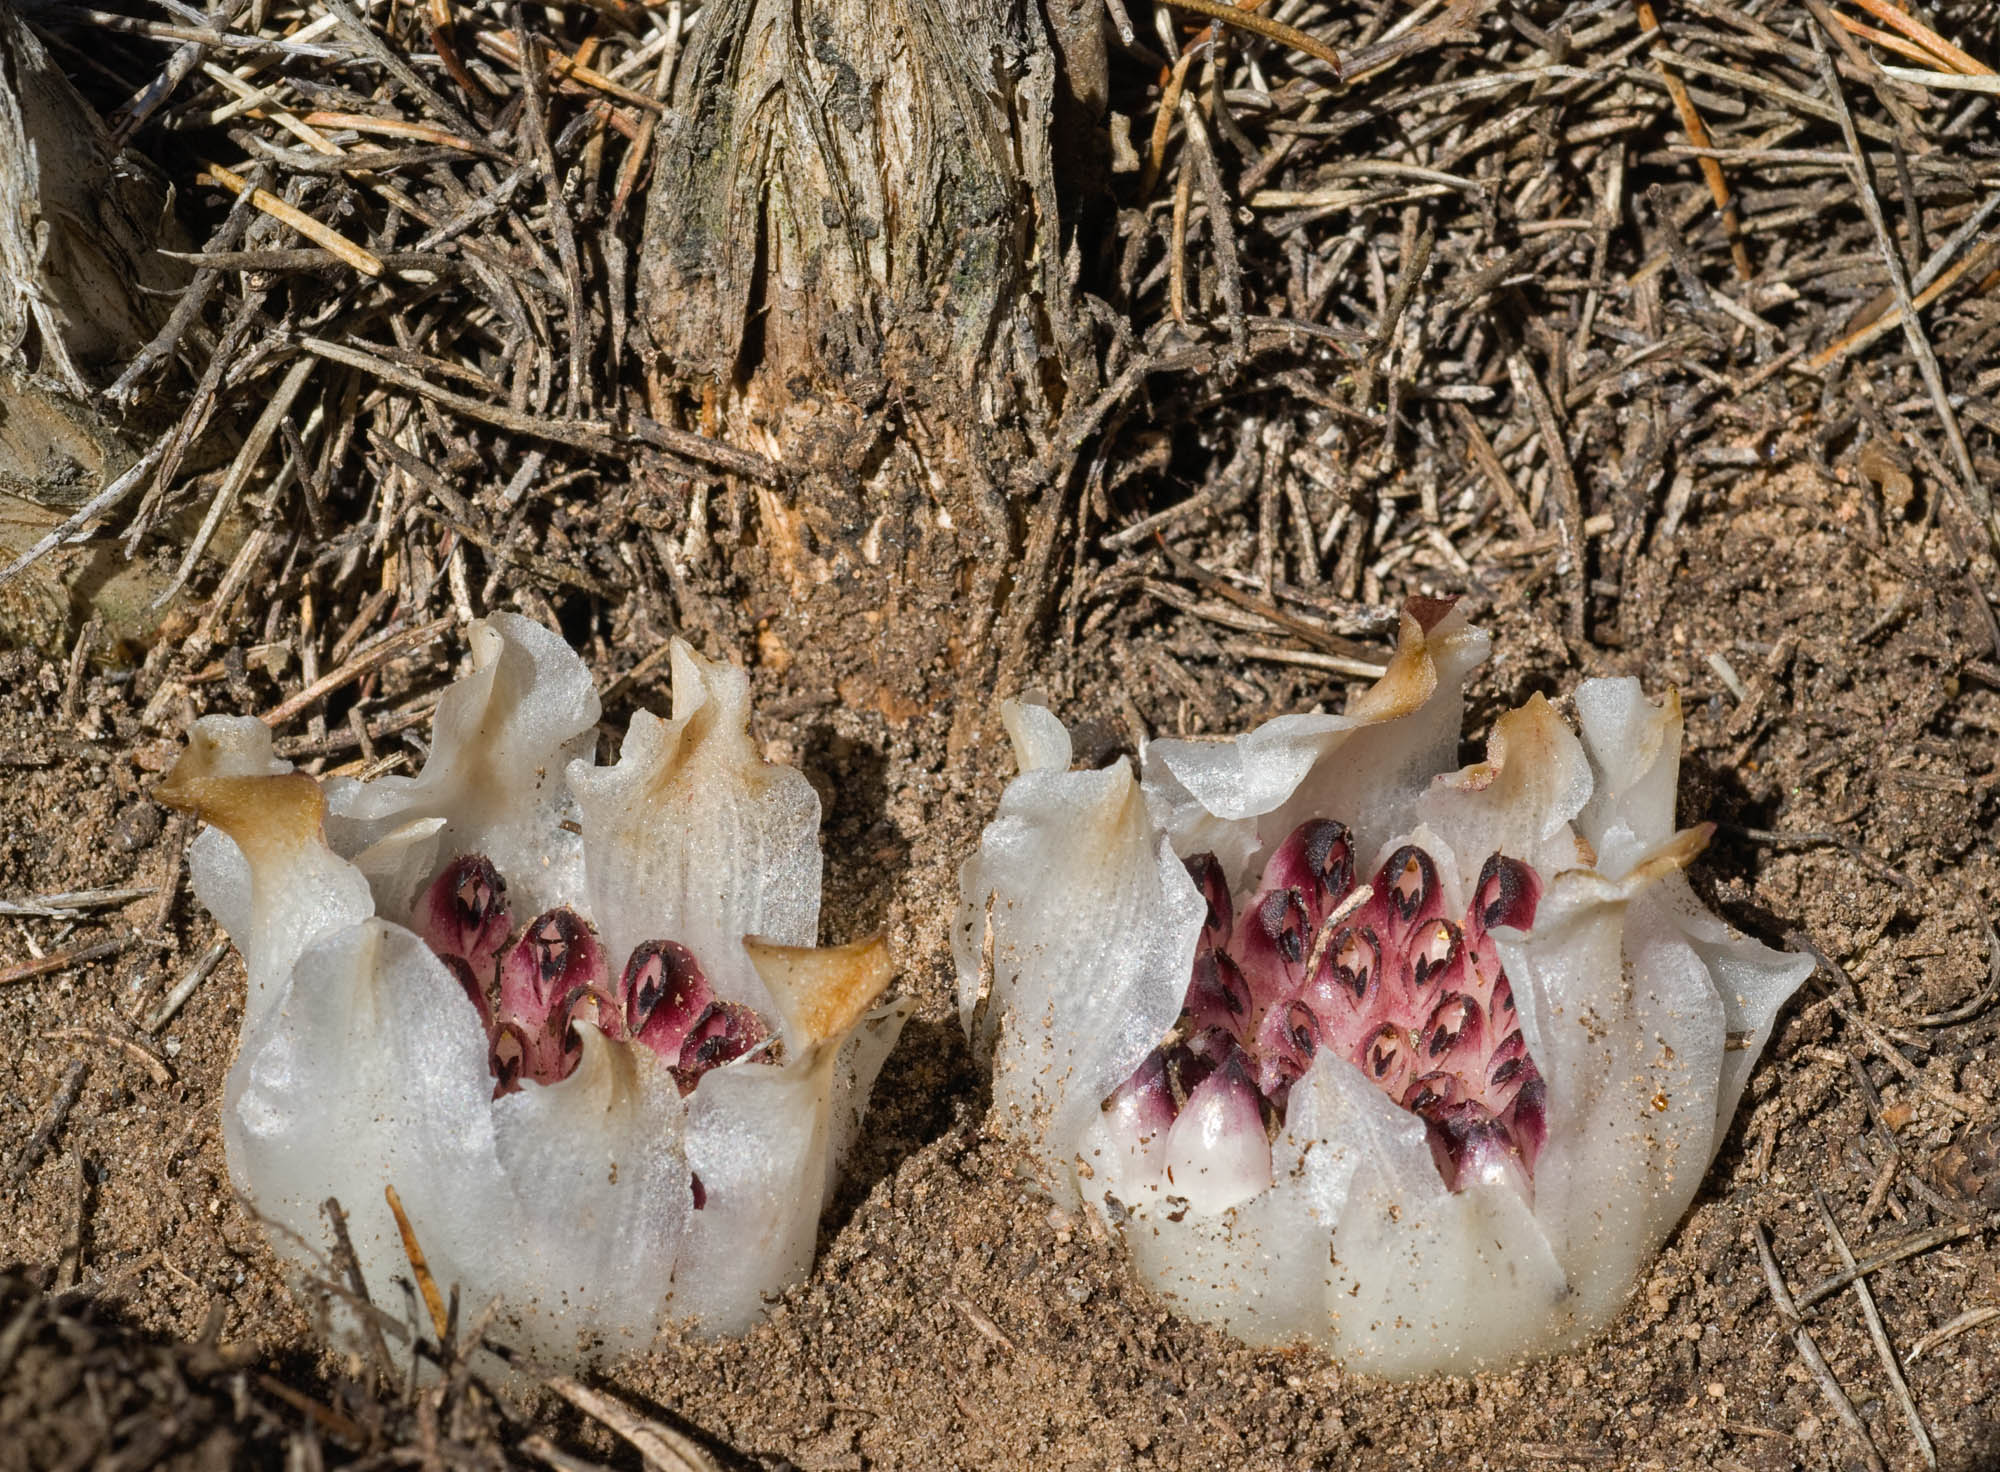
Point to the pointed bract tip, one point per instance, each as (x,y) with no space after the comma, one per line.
(1429,612)
(1676,853)
(822,992)
(258,809)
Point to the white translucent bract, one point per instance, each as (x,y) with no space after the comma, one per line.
(364,1065)
(1078,929)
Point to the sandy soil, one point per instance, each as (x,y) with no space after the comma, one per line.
(956,1317)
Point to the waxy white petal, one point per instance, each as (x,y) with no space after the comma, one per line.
(262,866)
(499,743)
(694,837)
(1084,946)
(1367,767)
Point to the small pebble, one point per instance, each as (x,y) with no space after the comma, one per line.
(136,827)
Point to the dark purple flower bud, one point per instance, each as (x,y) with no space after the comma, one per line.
(597,1007)
(1286,925)
(1435,948)
(1287,1039)
(522,1054)
(464,914)
(1273,939)
(1387,1058)
(1302,1029)
(1351,970)
(1506,894)
(1454,1036)
(1317,860)
(1329,855)
(1528,1115)
(1218,996)
(1208,878)
(1408,887)
(724,1032)
(665,993)
(555,956)
(1144,1105)
(1216,1044)
(1470,1145)
(556,962)
(1432,1093)
(1508,1065)
(1188,1067)
(507,1057)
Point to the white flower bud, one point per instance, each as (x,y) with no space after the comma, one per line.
(630,1113)
(1419,1065)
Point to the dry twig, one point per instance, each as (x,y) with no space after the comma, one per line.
(1809,1351)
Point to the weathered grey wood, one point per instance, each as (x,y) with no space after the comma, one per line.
(853,204)
(79,227)
(78,224)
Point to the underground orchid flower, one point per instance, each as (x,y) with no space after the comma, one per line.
(571,1013)
(1414,1063)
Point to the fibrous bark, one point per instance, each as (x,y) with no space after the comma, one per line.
(854,206)
(854,263)
(79,226)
